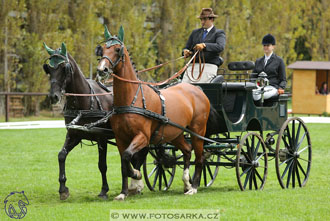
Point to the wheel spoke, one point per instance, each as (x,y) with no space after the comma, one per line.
(165,180)
(263,154)
(298,176)
(255,180)
(210,172)
(302,170)
(250,180)
(286,169)
(153,155)
(298,133)
(256,150)
(245,171)
(304,160)
(246,155)
(293,174)
(204,176)
(156,177)
(302,149)
(160,178)
(168,171)
(289,175)
(286,160)
(293,135)
(285,143)
(300,141)
(153,171)
(289,136)
(258,175)
(247,178)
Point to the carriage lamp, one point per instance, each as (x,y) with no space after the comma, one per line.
(262,80)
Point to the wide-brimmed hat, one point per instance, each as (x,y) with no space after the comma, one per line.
(207,13)
(268,40)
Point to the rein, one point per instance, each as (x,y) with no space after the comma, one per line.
(162,82)
(160,65)
(87,95)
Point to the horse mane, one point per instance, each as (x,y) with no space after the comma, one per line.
(74,65)
(132,62)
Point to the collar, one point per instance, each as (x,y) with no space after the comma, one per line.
(209,29)
(267,57)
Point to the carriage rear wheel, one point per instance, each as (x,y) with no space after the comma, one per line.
(251,162)
(158,173)
(293,155)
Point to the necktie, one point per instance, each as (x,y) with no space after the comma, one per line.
(204,34)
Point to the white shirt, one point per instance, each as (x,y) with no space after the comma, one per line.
(209,29)
(267,58)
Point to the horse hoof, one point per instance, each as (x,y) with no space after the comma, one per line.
(64,195)
(120,197)
(192,191)
(103,196)
(136,187)
(137,175)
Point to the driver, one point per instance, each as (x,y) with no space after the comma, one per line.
(209,40)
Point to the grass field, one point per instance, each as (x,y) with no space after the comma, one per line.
(28,161)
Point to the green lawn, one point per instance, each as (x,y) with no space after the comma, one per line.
(29,162)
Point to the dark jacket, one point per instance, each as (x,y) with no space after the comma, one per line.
(275,69)
(215,43)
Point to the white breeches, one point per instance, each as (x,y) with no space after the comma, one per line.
(210,71)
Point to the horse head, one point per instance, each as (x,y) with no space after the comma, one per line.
(112,53)
(59,70)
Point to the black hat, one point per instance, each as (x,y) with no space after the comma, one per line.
(268,40)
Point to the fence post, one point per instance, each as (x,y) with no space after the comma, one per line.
(7,107)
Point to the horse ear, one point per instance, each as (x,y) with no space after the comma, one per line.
(121,33)
(49,50)
(63,49)
(107,34)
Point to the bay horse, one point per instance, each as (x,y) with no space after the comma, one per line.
(66,76)
(186,106)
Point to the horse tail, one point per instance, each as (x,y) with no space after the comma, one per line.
(213,122)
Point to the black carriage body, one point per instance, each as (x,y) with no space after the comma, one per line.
(238,112)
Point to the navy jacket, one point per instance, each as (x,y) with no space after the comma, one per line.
(275,69)
(215,42)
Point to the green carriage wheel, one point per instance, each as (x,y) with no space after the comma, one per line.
(251,162)
(293,155)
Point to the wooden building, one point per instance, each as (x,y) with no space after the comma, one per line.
(307,80)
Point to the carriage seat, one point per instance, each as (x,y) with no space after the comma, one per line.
(238,86)
(241,65)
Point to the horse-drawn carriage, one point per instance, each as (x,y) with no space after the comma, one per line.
(236,132)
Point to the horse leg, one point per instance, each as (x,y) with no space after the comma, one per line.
(198,149)
(137,144)
(102,148)
(138,158)
(185,147)
(69,144)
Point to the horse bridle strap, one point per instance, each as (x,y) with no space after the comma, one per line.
(113,64)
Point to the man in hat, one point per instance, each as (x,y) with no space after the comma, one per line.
(273,66)
(210,41)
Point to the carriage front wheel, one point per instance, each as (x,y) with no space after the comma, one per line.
(293,155)
(159,172)
(251,162)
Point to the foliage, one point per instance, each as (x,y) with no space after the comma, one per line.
(155,30)
(29,162)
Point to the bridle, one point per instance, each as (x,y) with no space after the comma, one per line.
(68,69)
(111,42)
